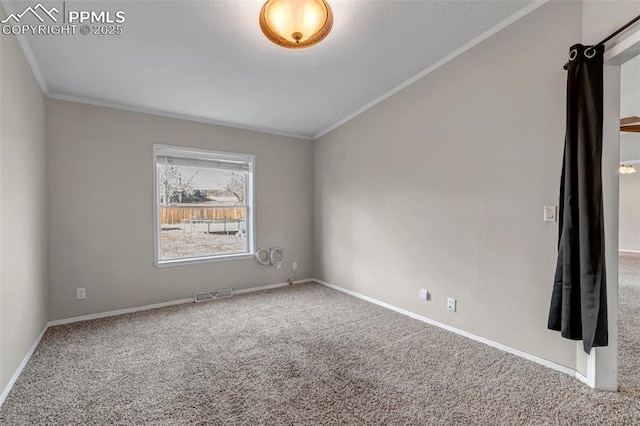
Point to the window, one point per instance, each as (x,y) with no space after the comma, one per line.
(203,205)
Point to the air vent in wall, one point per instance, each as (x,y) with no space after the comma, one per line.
(213,294)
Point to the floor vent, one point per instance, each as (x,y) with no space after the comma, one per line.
(213,294)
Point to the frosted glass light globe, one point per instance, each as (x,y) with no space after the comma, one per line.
(296,23)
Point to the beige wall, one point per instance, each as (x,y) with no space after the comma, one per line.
(442,187)
(23,292)
(630,147)
(100,218)
(429,189)
(630,212)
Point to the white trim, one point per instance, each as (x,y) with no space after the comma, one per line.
(488,342)
(459,51)
(623,50)
(158,305)
(629,251)
(269,286)
(117,312)
(513,351)
(37,73)
(250,202)
(583,379)
(202,259)
(107,104)
(28,52)
(591,368)
(24,362)
(168,114)
(602,371)
(54,323)
(590,378)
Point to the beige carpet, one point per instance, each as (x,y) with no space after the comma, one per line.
(629,326)
(302,355)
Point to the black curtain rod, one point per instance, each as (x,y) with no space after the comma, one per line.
(619,30)
(613,34)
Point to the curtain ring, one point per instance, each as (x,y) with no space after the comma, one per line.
(586,52)
(573,54)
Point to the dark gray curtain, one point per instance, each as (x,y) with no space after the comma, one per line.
(579,298)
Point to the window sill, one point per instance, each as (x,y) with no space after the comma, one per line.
(194,260)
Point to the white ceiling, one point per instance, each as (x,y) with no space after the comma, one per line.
(208,60)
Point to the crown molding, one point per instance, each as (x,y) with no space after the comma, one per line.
(28,52)
(168,114)
(459,51)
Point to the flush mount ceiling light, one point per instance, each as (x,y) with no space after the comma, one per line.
(296,23)
(627,169)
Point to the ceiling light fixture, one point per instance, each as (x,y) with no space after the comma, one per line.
(627,169)
(296,23)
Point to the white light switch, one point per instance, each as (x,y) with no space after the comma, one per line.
(424,294)
(550,213)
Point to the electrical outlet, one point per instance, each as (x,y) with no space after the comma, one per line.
(424,295)
(81,293)
(451,304)
(295,266)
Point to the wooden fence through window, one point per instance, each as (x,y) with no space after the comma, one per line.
(173,215)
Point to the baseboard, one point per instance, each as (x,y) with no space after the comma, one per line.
(582,378)
(533,358)
(157,305)
(117,312)
(505,348)
(268,287)
(24,362)
(629,251)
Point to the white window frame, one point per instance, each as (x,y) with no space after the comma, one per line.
(250,203)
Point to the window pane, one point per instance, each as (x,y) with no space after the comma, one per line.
(202,211)
(197,232)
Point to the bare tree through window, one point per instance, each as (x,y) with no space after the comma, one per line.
(202,206)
